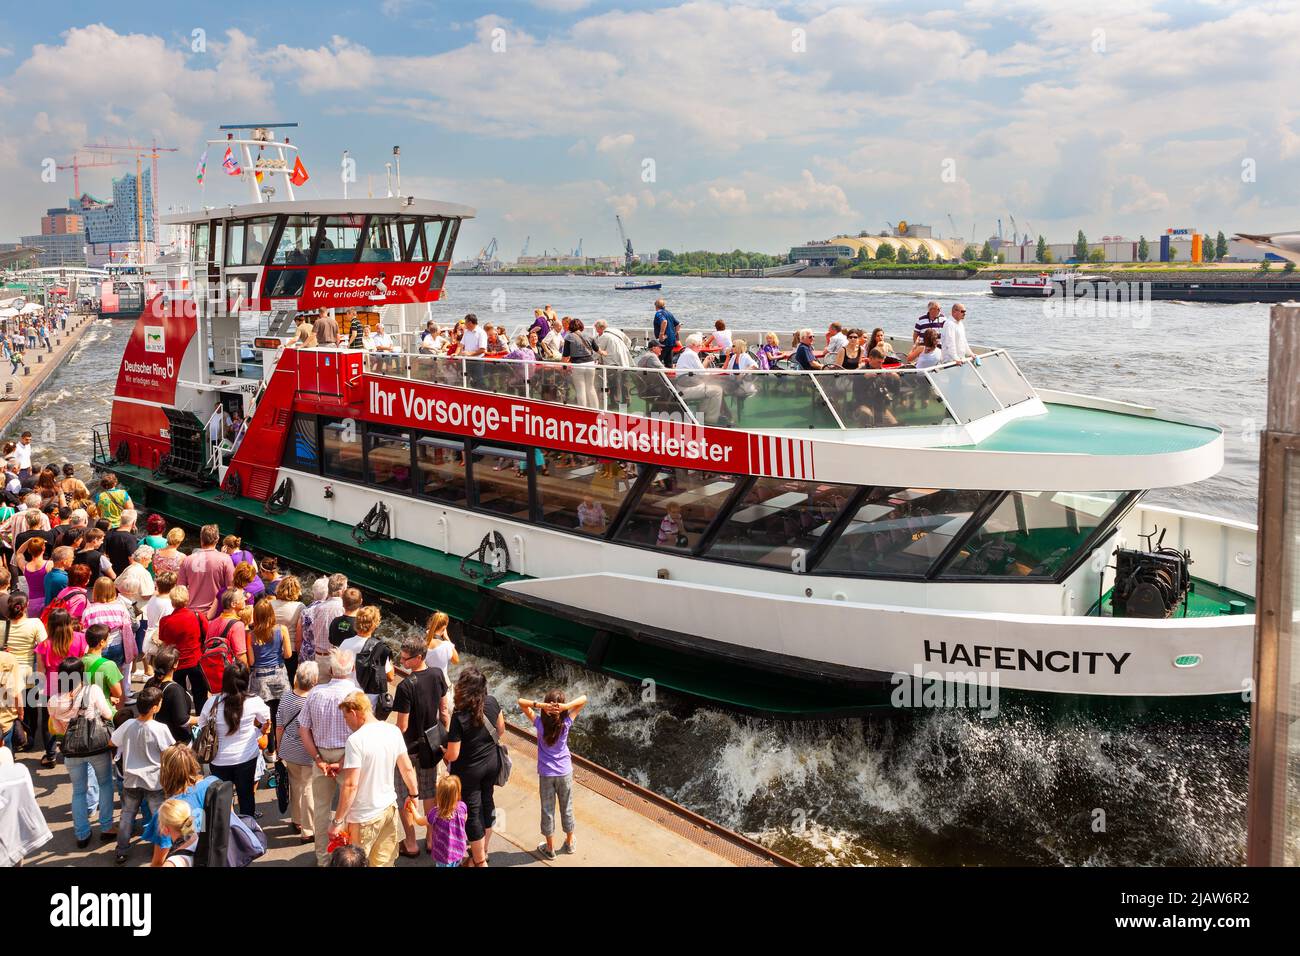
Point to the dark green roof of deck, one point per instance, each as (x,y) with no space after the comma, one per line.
(1069,429)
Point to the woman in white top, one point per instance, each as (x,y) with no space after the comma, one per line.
(240,720)
(176,822)
(719,338)
(926,353)
(442,652)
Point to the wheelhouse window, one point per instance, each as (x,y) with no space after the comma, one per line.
(435,232)
(440,470)
(199,243)
(581,493)
(408,235)
(285,283)
(379,243)
(296,240)
(302,447)
(257,234)
(900,531)
(235,243)
(501,483)
(340,239)
(388,460)
(778,523)
(676,508)
(342,453)
(1032,534)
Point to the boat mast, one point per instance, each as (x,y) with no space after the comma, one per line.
(261,137)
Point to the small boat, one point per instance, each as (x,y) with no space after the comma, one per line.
(643,287)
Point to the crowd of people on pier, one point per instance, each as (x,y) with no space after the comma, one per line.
(26,332)
(152,665)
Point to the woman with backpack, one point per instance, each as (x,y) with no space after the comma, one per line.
(239,720)
(186,630)
(473,754)
(81,707)
(63,642)
(272,646)
(75,596)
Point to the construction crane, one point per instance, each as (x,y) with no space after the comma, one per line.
(140,153)
(77,167)
(952,222)
(627,245)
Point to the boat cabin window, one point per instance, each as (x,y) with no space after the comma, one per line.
(404,231)
(294,247)
(388,459)
(339,241)
(440,470)
(285,283)
(379,245)
(248,240)
(900,531)
(341,447)
(676,508)
(199,243)
(776,518)
(302,446)
(235,244)
(435,234)
(1032,534)
(501,480)
(581,493)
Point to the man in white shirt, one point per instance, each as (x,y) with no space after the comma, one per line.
(432,341)
(836,341)
(473,342)
(953,341)
(23,455)
(553,344)
(374,754)
(692,385)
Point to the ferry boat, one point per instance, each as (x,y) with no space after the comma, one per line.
(780,542)
(1221,288)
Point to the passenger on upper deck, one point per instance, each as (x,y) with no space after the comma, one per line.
(612,345)
(835,342)
(770,351)
(927,354)
(878,340)
(665,330)
(719,338)
(692,384)
(473,343)
(304,336)
(953,341)
(804,357)
(553,342)
(432,341)
(541,323)
(380,341)
(933,319)
(356,329)
(650,358)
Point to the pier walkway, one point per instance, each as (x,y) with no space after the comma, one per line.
(41,365)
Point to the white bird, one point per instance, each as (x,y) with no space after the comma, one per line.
(1284,244)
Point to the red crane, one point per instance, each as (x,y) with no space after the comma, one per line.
(77,167)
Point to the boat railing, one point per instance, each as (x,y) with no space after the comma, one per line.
(954,393)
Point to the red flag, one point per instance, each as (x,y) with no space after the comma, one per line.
(299,172)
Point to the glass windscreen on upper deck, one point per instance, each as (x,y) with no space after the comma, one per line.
(325,240)
(752,399)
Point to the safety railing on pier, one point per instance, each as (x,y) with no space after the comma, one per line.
(955,393)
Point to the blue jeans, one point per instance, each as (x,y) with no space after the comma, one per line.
(92,781)
(117,654)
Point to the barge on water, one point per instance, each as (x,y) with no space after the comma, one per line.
(787,543)
(1070,285)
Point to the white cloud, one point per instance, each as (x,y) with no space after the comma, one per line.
(807,195)
(610,143)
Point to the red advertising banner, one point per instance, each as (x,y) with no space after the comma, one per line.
(361,283)
(151,361)
(660,441)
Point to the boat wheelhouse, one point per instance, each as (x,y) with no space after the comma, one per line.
(786,542)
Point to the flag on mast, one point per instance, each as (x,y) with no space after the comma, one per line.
(230,164)
(299,175)
(203,168)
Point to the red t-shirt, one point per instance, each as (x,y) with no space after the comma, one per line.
(185,631)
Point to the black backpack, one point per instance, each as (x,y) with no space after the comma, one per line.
(372,674)
(227,840)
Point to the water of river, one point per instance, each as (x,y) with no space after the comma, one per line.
(944,787)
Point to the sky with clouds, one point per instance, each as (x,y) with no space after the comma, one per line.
(705,124)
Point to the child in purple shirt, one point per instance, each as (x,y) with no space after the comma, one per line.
(552,719)
(447,841)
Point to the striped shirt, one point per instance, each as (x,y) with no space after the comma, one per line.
(291,748)
(321,714)
(925,323)
(448,835)
(112,615)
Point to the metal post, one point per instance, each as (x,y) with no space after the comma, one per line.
(1277,592)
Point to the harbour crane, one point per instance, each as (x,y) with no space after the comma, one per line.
(953,223)
(77,167)
(486,254)
(140,153)
(627,245)
(1015,232)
